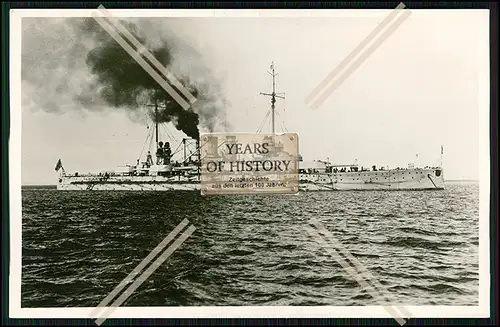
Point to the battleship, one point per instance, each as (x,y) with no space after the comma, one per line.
(164,172)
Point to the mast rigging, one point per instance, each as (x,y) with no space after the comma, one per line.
(273,96)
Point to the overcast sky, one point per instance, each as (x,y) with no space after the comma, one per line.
(418,91)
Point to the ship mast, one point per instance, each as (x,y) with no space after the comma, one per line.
(156,107)
(156,122)
(441,158)
(273,96)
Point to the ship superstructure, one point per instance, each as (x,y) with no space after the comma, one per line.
(157,171)
(161,171)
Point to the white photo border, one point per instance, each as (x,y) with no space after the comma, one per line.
(482,310)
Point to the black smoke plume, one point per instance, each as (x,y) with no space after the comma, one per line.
(123,83)
(74,63)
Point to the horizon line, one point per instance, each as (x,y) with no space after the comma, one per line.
(446,180)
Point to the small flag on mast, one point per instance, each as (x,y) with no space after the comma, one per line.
(441,149)
(272,65)
(58,165)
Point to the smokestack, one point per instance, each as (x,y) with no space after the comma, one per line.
(198,152)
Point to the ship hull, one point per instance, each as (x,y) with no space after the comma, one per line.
(128,187)
(407,179)
(404,179)
(72,183)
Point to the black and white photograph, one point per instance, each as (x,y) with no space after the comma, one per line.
(378,120)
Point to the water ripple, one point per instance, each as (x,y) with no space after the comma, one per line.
(77,246)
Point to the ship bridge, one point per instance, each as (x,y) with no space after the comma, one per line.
(312,166)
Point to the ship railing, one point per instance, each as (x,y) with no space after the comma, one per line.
(90,175)
(337,165)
